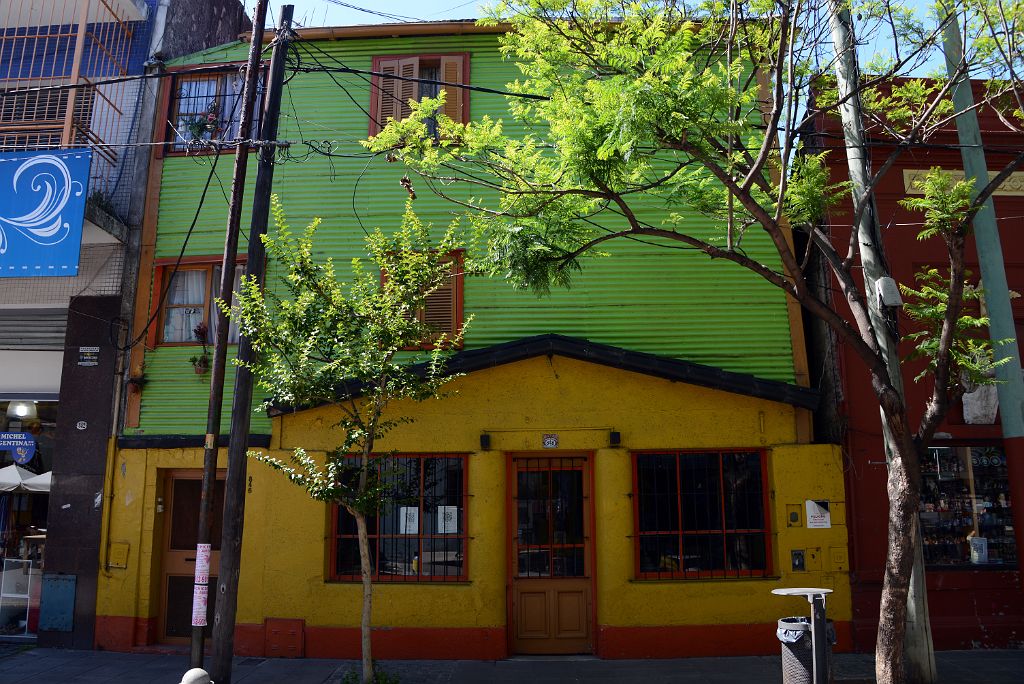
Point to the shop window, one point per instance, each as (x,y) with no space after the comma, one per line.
(420,535)
(966,513)
(189,293)
(700,515)
(207,107)
(390,99)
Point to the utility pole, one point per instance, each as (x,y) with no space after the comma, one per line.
(200,590)
(918,648)
(1010,388)
(241,405)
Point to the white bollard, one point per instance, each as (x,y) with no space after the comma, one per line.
(196,675)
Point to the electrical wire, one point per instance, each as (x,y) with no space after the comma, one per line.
(177,263)
(400,18)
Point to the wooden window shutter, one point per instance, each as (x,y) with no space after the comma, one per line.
(452,72)
(408,90)
(392,94)
(439,308)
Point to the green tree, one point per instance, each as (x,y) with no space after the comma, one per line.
(324,341)
(700,108)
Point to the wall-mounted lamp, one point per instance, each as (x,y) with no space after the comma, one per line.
(485,442)
(614,438)
(22,410)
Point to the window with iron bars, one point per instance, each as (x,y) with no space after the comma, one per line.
(206,107)
(420,533)
(701,515)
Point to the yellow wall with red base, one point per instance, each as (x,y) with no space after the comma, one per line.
(286,545)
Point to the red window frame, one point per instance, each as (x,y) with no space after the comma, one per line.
(462,537)
(457,258)
(164,132)
(681,573)
(375,87)
(162,271)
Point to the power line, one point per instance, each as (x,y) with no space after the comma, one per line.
(400,18)
(181,255)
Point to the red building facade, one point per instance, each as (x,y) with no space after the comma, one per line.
(967,511)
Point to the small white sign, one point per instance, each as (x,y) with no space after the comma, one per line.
(447,519)
(550,441)
(818,516)
(408,520)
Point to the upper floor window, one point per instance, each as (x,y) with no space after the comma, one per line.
(701,515)
(191,292)
(442,310)
(390,96)
(207,107)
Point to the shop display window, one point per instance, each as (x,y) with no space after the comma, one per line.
(420,533)
(966,513)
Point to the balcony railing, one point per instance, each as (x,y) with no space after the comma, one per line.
(54,55)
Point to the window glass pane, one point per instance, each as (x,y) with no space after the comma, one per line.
(535,562)
(745,551)
(965,510)
(701,491)
(703,552)
(657,492)
(532,507)
(568,562)
(659,553)
(183,305)
(744,504)
(215,294)
(567,506)
(442,557)
(348,556)
(399,556)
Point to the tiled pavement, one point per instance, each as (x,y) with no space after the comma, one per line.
(52,666)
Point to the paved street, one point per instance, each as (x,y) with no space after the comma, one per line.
(50,666)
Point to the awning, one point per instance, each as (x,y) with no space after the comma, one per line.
(38,483)
(12,477)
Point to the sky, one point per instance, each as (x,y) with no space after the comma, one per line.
(326,13)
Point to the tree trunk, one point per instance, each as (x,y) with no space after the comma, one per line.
(367,574)
(904,493)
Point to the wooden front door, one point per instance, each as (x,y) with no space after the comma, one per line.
(181,524)
(551,571)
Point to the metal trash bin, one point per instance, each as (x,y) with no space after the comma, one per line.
(794,633)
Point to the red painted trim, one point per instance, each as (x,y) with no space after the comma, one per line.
(250,640)
(689,641)
(1013,447)
(123,633)
(409,643)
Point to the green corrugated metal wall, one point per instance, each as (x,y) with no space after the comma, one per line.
(665,301)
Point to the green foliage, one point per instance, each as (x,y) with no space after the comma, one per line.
(321,340)
(972,362)
(810,195)
(946,205)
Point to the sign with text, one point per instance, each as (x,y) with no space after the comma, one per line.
(818,516)
(42,208)
(21,445)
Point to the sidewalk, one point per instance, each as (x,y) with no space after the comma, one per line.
(52,666)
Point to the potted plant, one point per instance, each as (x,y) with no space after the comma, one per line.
(201,362)
(137,379)
(207,122)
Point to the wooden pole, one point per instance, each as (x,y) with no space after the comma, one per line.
(200,591)
(241,405)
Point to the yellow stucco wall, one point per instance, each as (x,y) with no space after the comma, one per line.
(284,553)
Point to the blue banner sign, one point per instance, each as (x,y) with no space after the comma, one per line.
(21,445)
(42,207)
